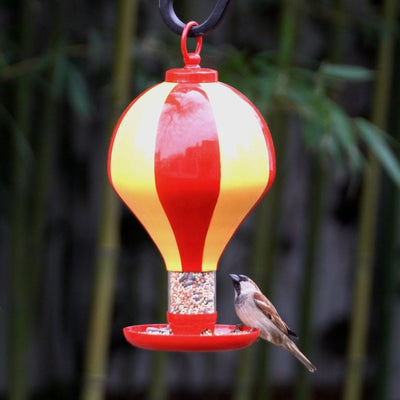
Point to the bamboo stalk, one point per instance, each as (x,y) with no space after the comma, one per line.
(339,29)
(46,144)
(262,269)
(279,128)
(158,383)
(389,262)
(268,216)
(19,284)
(368,215)
(288,31)
(266,245)
(245,379)
(95,372)
(316,199)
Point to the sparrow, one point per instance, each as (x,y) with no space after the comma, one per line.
(256,311)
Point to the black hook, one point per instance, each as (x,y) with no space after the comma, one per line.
(175,24)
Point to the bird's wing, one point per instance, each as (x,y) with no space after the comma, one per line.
(270,312)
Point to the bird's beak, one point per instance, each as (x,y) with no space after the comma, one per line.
(235,278)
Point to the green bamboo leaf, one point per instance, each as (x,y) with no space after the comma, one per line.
(22,144)
(95,46)
(299,98)
(264,86)
(374,137)
(78,92)
(311,131)
(346,72)
(345,134)
(59,71)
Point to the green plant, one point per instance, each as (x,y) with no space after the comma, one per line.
(329,131)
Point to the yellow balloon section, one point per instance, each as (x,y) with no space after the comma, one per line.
(191,160)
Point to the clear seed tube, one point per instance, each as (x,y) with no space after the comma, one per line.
(191,292)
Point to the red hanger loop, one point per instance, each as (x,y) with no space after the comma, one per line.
(191,59)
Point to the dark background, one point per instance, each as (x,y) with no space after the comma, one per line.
(306,245)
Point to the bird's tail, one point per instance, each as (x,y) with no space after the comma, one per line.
(300,356)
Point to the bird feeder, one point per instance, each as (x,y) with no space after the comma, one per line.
(191,157)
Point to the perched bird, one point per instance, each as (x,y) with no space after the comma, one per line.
(256,311)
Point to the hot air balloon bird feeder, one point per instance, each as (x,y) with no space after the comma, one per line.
(191,157)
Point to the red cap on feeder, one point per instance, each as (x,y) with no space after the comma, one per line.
(191,157)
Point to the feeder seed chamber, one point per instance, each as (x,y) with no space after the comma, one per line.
(191,157)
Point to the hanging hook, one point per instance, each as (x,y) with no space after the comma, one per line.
(176,25)
(191,59)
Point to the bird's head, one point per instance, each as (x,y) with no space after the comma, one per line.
(242,284)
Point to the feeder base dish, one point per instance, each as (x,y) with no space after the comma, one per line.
(159,337)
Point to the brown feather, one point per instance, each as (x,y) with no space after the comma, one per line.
(270,312)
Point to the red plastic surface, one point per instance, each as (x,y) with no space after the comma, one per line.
(187,169)
(223,337)
(191,324)
(192,169)
(191,157)
(191,75)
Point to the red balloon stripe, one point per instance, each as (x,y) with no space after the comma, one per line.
(187,169)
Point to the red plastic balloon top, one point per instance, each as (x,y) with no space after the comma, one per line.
(191,157)
(192,72)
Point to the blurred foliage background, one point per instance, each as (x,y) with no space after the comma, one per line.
(76,266)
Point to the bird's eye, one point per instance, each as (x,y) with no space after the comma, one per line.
(243,277)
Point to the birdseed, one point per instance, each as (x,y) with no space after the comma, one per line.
(159,331)
(191,292)
(207,332)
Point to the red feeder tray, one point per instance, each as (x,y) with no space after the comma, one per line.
(158,337)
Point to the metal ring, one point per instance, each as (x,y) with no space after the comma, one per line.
(176,25)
